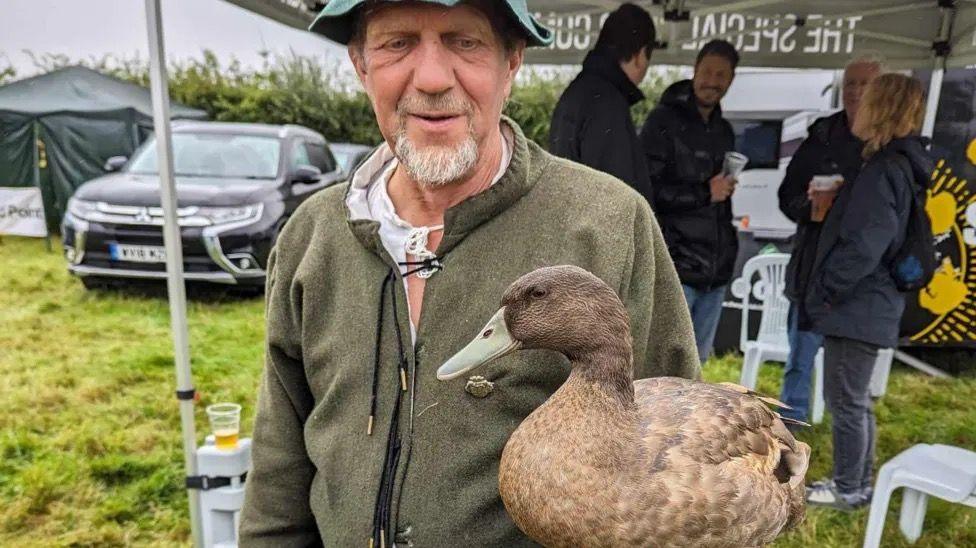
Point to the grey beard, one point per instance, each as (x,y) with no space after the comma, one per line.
(437,166)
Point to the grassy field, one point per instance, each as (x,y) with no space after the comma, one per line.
(90,450)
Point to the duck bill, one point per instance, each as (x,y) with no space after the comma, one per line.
(492,342)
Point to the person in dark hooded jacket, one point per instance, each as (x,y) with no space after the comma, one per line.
(591,123)
(685,141)
(829,149)
(852,298)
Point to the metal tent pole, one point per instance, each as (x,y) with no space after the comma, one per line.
(942,47)
(174,253)
(37,182)
(924,367)
(935,91)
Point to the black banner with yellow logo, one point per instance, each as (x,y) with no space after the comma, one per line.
(944,313)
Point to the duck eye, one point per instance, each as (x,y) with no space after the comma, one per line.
(538,292)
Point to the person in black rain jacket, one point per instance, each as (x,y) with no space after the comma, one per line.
(685,141)
(591,123)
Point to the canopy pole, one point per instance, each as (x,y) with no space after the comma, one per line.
(912,361)
(932,104)
(37,181)
(174,252)
(942,48)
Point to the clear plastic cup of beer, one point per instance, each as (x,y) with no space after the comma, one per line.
(225,422)
(822,195)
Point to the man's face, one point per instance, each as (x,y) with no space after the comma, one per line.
(856,80)
(713,76)
(642,64)
(438,79)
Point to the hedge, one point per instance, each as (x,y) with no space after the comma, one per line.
(303,90)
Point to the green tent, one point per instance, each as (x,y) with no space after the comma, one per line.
(57,130)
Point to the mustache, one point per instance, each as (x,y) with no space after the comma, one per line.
(447,103)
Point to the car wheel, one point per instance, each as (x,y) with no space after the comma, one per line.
(277,231)
(247,292)
(93,283)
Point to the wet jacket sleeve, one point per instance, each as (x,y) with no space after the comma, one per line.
(563,132)
(793,201)
(867,230)
(670,193)
(664,340)
(276,505)
(606,144)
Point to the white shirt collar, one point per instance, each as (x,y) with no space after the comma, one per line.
(368,198)
(372,178)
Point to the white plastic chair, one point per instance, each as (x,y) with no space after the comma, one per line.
(882,370)
(942,471)
(878,386)
(772,342)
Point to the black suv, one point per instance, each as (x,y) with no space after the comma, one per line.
(236,186)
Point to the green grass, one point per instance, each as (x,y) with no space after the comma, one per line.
(90,450)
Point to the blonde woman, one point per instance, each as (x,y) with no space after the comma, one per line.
(852,299)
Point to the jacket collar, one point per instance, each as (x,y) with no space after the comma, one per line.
(603,66)
(834,127)
(913,147)
(523,171)
(681,96)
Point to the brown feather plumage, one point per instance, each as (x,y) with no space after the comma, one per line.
(657,462)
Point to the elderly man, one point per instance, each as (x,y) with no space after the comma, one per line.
(375,283)
(829,149)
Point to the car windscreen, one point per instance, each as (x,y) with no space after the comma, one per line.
(214,155)
(345,158)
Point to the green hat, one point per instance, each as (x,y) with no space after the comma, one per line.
(337,18)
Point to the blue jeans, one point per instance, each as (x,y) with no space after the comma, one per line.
(706,309)
(799,368)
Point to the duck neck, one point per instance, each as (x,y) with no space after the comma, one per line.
(608,368)
(599,394)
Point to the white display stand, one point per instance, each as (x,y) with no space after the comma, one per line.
(221,507)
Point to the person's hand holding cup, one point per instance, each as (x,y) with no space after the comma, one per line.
(721,187)
(822,191)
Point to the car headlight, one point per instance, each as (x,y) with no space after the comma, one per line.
(224,215)
(81,209)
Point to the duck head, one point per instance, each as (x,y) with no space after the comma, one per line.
(561,308)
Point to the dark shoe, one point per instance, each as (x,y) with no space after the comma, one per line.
(868,494)
(825,493)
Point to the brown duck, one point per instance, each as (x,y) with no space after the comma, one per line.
(610,462)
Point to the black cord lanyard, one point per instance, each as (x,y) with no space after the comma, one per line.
(394,444)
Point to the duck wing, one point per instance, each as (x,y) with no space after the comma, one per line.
(732,471)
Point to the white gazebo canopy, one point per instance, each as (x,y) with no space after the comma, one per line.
(780,33)
(768,33)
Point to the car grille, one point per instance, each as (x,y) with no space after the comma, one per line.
(100,236)
(148,216)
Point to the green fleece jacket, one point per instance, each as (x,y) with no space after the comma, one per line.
(315,476)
